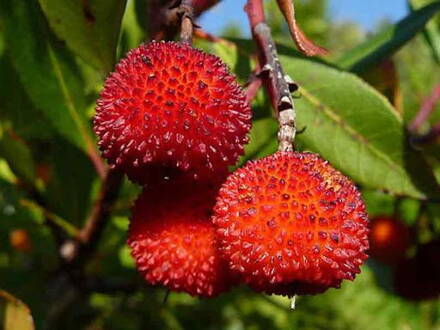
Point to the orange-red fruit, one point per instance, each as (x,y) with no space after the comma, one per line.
(389,239)
(170,108)
(20,240)
(172,240)
(291,224)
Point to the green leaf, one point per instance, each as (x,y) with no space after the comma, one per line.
(431,31)
(69,192)
(132,33)
(357,130)
(46,70)
(386,43)
(16,108)
(18,156)
(16,315)
(418,78)
(263,139)
(89,27)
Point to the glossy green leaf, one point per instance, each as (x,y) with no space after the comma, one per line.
(357,130)
(386,43)
(46,70)
(90,28)
(18,155)
(16,315)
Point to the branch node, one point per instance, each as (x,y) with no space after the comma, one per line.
(279,85)
(186,12)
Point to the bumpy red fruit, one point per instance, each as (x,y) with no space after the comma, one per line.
(389,239)
(291,224)
(172,240)
(170,108)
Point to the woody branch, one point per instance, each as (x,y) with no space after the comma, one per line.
(277,83)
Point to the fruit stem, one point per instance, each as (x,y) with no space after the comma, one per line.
(187,23)
(292,302)
(278,84)
(254,84)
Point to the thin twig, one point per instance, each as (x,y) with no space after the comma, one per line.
(200,6)
(51,217)
(168,16)
(202,34)
(186,28)
(254,84)
(432,136)
(74,251)
(426,109)
(277,83)
(39,202)
(98,163)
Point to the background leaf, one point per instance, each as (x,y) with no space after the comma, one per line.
(72,180)
(18,156)
(431,31)
(17,315)
(16,108)
(46,71)
(357,130)
(89,27)
(386,43)
(263,139)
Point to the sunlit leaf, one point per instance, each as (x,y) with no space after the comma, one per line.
(17,316)
(387,42)
(357,130)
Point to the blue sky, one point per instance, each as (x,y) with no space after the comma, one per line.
(365,12)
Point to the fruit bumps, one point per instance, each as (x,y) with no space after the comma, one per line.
(291,224)
(172,239)
(170,109)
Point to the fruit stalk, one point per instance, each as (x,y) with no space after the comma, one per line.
(277,83)
(186,28)
(87,239)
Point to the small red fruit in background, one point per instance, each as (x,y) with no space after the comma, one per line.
(170,108)
(20,240)
(291,224)
(172,240)
(418,278)
(389,239)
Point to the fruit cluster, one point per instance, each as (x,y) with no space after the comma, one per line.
(173,119)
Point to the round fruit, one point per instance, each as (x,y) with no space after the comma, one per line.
(20,240)
(172,240)
(170,108)
(417,278)
(389,239)
(290,223)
